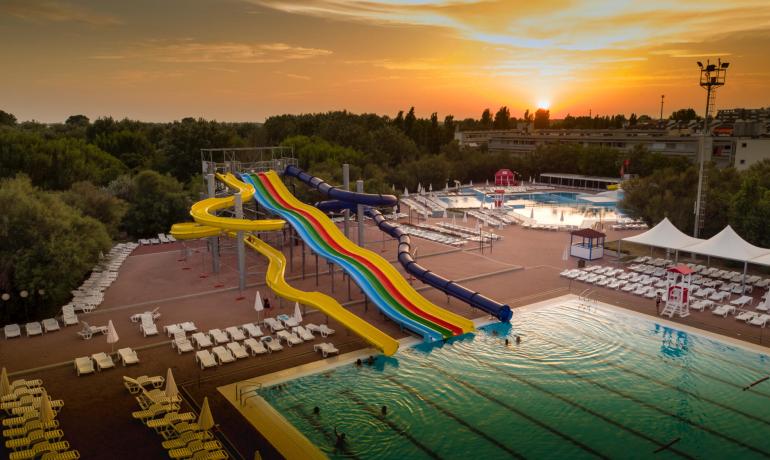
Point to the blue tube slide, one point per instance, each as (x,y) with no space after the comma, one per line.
(343,199)
(359,278)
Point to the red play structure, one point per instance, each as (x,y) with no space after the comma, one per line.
(505,177)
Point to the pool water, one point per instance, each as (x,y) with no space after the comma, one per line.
(585,382)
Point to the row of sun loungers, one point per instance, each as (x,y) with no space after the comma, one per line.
(91,293)
(161,239)
(432,235)
(26,434)
(101,361)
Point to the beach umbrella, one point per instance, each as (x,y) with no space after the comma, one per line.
(487,182)
(297,313)
(419,187)
(112,335)
(430,187)
(446,187)
(171,390)
(532,213)
(205,419)
(471,183)
(406,193)
(5,387)
(465,217)
(562,216)
(46,413)
(393,187)
(258,306)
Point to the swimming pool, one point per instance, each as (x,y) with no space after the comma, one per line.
(585,382)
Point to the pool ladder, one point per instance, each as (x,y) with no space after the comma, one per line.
(242,389)
(585,298)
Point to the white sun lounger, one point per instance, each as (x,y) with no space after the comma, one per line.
(188,326)
(181,343)
(303,333)
(760,320)
(205,359)
(103,361)
(326,349)
(764,305)
(742,301)
(701,304)
(147,326)
(252,330)
(12,330)
(274,324)
(50,324)
(223,355)
(719,296)
(323,329)
(68,316)
(84,365)
(272,345)
(33,328)
(155,314)
(288,337)
(745,316)
(127,356)
(235,333)
(237,350)
(256,347)
(723,310)
(172,329)
(201,340)
(218,336)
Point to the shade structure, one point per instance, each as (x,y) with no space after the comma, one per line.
(729,245)
(5,386)
(112,334)
(665,235)
(205,419)
(46,413)
(297,313)
(171,390)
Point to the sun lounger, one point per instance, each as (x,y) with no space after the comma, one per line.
(127,356)
(719,296)
(742,301)
(88,331)
(303,333)
(188,326)
(169,420)
(219,454)
(288,337)
(103,361)
(274,324)
(235,333)
(18,393)
(237,350)
(194,447)
(272,345)
(136,385)
(205,359)
(178,428)
(288,321)
(12,330)
(252,330)
(154,314)
(223,355)
(181,343)
(172,329)
(745,316)
(326,349)
(254,346)
(218,336)
(32,438)
(50,324)
(323,329)
(33,328)
(29,426)
(760,320)
(68,317)
(201,340)
(147,325)
(186,438)
(701,305)
(723,310)
(84,365)
(155,410)
(764,305)
(40,450)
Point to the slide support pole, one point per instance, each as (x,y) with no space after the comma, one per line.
(212,187)
(241,248)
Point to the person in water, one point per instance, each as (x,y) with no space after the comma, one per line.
(370,360)
(316,410)
(518,339)
(340,439)
(384,410)
(358,362)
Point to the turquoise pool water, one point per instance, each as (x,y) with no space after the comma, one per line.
(584,383)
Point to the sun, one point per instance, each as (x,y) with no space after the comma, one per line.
(543,104)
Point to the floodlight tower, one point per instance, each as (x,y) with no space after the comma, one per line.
(712,76)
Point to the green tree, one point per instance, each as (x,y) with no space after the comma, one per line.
(77,120)
(502,118)
(409,122)
(44,245)
(449,129)
(7,119)
(98,203)
(665,193)
(157,202)
(542,119)
(684,115)
(486,119)
(750,212)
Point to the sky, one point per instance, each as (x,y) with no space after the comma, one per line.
(244,60)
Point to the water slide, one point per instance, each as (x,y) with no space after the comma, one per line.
(343,199)
(207,224)
(379,280)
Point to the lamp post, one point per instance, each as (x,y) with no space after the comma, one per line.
(712,76)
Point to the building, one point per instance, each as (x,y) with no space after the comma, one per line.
(749,151)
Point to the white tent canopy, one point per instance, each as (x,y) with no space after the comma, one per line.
(665,235)
(761,260)
(729,245)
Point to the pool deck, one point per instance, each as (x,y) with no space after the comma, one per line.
(520,270)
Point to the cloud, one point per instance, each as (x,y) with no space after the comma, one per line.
(51,11)
(194,52)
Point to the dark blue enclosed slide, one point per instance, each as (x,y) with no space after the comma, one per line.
(344,199)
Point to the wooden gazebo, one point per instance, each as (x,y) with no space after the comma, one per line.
(586,244)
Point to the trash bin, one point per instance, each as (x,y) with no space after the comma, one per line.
(581,263)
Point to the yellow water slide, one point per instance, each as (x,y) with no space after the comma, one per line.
(207,224)
(393,275)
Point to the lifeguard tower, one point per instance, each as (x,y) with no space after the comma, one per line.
(499,198)
(679,283)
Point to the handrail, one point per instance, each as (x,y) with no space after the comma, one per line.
(239,387)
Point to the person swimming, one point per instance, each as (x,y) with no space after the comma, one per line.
(340,439)
(384,410)
(518,339)
(316,410)
(507,342)
(358,362)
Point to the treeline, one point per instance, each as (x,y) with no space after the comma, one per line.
(741,199)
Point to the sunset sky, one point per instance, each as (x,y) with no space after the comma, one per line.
(243,60)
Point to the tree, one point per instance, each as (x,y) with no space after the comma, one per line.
(7,119)
(665,193)
(44,245)
(684,115)
(98,203)
(632,120)
(542,119)
(502,118)
(77,121)
(398,122)
(409,122)
(486,119)
(528,117)
(157,202)
(449,129)
(751,205)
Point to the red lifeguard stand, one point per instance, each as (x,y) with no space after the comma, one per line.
(499,198)
(505,177)
(679,283)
